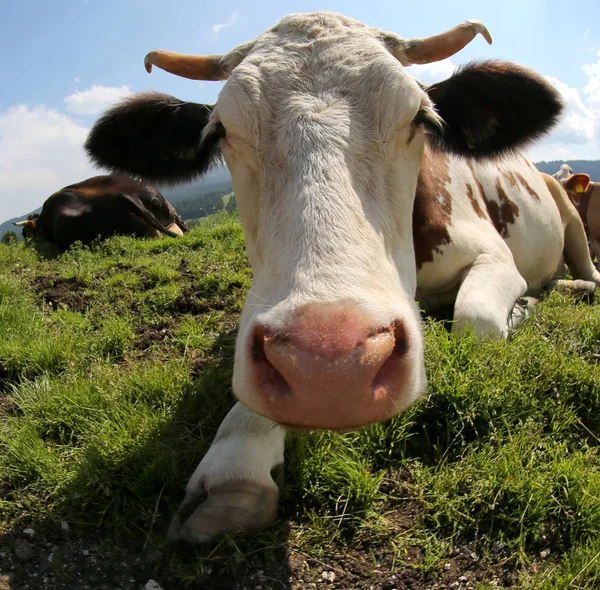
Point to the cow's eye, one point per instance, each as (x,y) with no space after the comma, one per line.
(421,117)
(220,130)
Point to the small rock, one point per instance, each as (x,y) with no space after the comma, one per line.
(328,576)
(64,525)
(29,533)
(51,557)
(463,579)
(23,550)
(86,552)
(152,585)
(155,555)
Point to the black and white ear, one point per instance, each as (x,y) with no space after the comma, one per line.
(156,137)
(493,107)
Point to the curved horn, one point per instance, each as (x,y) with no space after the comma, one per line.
(438,47)
(20,223)
(194,67)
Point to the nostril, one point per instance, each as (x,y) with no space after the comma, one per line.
(269,379)
(391,372)
(401,337)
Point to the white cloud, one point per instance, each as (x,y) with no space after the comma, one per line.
(577,135)
(96,99)
(216,29)
(41,150)
(433,72)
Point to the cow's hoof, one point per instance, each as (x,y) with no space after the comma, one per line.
(522,310)
(233,507)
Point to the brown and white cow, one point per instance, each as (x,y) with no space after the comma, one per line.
(358,189)
(585,195)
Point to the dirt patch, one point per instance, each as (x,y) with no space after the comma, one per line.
(189,303)
(8,407)
(59,292)
(58,556)
(147,336)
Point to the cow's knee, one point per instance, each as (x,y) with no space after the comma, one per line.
(484,325)
(235,487)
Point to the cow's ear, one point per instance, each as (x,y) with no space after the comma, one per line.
(156,137)
(577,183)
(493,107)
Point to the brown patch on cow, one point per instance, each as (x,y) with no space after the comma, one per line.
(433,207)
(527,187)
(503,213)
(510,177)
(474,203)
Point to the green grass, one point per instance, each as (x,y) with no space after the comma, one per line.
(115,371)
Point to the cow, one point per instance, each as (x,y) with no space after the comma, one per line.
(585,195)
(100,207)
(358,188)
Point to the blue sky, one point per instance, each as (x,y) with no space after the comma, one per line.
(63,62)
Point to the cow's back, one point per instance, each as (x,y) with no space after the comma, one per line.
(465,210)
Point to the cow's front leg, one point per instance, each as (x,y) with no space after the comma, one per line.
(487,295)
(233,488)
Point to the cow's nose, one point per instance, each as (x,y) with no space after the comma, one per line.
(330,367)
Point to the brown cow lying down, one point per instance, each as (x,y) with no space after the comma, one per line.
(358,190)
(101,207)
(585,195)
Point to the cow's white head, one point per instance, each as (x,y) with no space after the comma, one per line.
(574,184)
(323,131)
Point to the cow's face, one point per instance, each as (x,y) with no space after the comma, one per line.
(574,184)
(324,150)
(29,226)
(323,132)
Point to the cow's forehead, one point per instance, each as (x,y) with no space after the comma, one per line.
(318,24)
(322,55)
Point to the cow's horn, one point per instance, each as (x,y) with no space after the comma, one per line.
(20,223)
(195,67)
(438,47)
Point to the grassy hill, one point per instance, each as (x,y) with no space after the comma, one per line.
(115,371)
